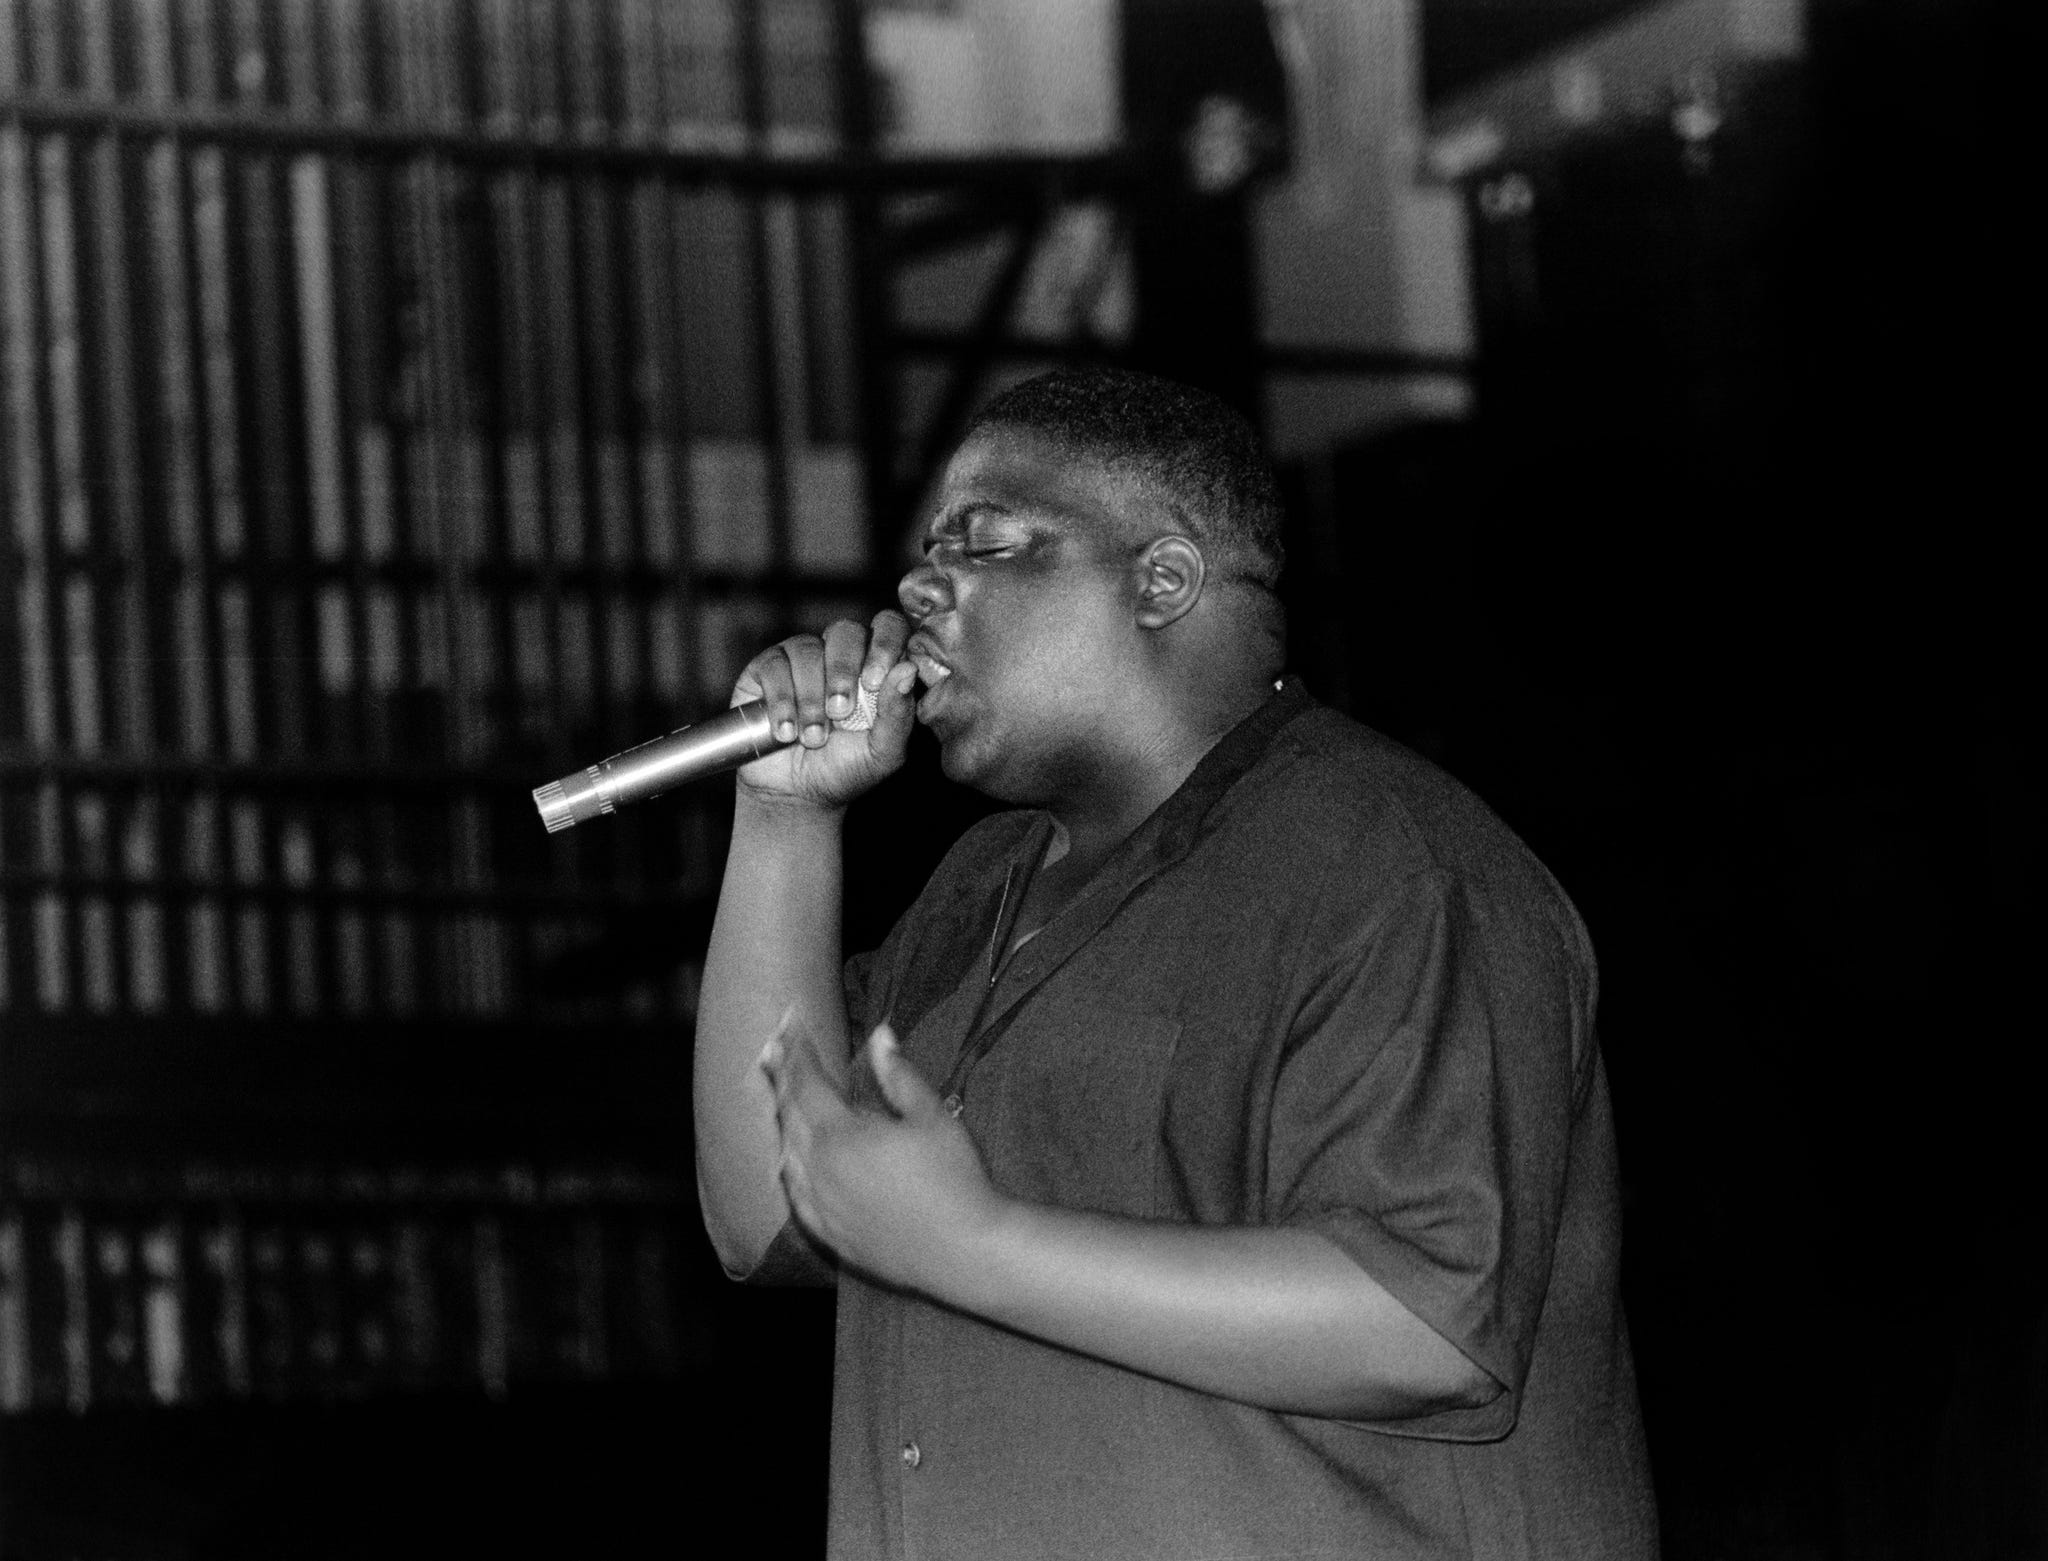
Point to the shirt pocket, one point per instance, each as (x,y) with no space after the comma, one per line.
(1067,1107)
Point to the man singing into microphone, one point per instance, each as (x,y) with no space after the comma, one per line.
(1216,1160)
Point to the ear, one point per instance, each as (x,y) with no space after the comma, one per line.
(1171,572)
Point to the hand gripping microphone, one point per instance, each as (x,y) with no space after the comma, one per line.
(724,742)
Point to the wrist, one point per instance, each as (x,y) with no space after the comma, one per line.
(992,1260)
(784,816)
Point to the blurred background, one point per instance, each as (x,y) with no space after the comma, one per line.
(404,402)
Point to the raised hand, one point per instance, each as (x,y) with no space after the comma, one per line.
(809,682)
(899,1192)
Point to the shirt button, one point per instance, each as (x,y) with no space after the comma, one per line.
(911,1456)
(954,1105)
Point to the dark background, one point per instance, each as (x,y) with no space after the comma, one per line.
(1721,603)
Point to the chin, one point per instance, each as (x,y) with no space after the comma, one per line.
(970,761)
(1013,785)
(957,761)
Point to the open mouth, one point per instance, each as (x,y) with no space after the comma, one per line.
(932,672)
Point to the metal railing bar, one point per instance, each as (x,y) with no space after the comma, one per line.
(1308,358)
(154,571)
(423,897)
(21,765)
(399,140)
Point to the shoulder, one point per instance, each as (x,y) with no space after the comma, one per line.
(1328,786)
(1336,804)
(1383,850)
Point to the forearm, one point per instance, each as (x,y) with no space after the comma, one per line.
(774,945)
(1275,1317)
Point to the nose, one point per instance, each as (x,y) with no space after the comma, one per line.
(924,591)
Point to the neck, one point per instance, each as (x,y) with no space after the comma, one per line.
(1169,733)
(1091,826)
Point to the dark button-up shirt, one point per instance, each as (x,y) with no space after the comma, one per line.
(1321,987)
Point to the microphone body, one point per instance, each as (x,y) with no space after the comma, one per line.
(723,742)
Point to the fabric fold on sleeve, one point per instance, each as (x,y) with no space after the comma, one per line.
(1423,1123)
(792,1259)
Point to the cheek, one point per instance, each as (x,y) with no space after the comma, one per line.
(1020,613)
(1032,641)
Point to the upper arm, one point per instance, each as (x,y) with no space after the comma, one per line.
(1427,1100)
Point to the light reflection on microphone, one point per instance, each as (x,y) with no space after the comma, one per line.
(723,742)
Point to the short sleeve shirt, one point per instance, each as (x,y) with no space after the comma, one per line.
(1322,987)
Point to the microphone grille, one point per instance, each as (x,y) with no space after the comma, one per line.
(865,702)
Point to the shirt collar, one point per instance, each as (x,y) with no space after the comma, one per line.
(1155,846)
(1174,826)
(1162,839)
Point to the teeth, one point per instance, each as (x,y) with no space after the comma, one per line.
(931,672)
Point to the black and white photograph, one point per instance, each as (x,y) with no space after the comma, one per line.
(1021,780)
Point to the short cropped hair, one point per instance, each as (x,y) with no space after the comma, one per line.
(1195,450)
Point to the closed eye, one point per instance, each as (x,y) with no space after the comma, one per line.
(936,551)
(978,531)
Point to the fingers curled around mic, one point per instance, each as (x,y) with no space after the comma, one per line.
(812,682)
(841,710)
(888,634)
(846,646)
(791,675)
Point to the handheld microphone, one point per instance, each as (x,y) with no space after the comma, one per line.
(711,747)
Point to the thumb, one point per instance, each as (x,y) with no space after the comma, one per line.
(895,714)
(902,1086)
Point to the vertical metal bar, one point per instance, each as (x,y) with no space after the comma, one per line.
(315,928)
(213,610)
(249,869)
(75,1343)
(769,429)
(476,671)
(371,521)
(99,982)
(570,670)
(352,330)
(52,931)
(67,604)
(125,645)
(601,239)
(517,533)
(660,430)
(873,308)
(268,836)
(473,981)
(399,612)
(167,553)
(27,539)
(670,537)
(142,858)
(9,810)
(753,68)
(206,932)
(16,1394)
